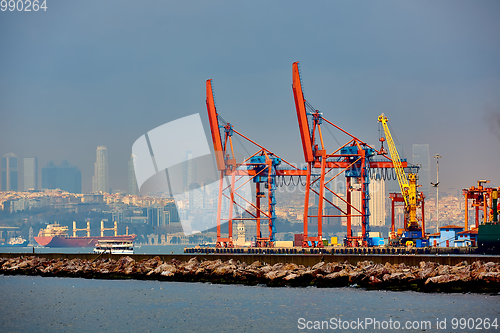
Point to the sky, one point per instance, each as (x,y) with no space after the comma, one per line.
(89,73)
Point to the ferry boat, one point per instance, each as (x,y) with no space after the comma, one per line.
(15,241)
(114,247)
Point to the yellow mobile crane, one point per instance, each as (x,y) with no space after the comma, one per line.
(408,186)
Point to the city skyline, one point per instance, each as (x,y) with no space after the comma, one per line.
(189,173)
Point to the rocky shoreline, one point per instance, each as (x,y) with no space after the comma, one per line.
(427,277)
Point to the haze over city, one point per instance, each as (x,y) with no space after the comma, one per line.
(101,98)
(84,74)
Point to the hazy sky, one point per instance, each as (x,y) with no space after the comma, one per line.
(89,73)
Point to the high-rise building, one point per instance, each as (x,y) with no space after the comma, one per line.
(422,158)
(10,177)
(377,202)
(100,180)
(171,209)
(189,171)
(30,165)
(357,203)
(157,216)
(65,177)
(337,201)
(132,182)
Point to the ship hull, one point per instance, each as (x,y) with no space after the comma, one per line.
(79,241)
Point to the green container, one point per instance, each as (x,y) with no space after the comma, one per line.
(488,238)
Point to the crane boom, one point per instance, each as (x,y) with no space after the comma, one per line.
(300,106)
(396,160)
(214,127)
(408,185)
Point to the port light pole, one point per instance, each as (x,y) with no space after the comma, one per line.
(437,157)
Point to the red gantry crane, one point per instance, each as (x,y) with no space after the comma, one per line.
(482,200)
(354,159)
(261,168)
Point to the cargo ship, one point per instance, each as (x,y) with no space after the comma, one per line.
(56,235)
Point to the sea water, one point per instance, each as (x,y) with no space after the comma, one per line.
(48,304)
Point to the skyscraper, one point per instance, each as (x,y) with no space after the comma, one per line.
(100,180)
(65,177)
(30,165)
(356,202)
(377,202)
(189,171)
(132,182)
(422,158)
(9,172)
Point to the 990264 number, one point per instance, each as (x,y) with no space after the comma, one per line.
(22,5)
(474,323)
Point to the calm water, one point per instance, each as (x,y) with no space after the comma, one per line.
(38,304)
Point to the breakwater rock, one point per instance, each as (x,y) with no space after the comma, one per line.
(428,276)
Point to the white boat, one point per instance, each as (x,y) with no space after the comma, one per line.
(114,247)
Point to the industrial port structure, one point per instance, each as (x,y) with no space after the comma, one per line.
(355,160)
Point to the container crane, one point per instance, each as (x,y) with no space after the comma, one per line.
(408,187)
(261,168)
(355,159)
(482,199)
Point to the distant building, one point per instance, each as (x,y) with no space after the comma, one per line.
(337,201)
(172,212)
(356,203)
(118,213)
(100,180)
(453,236)
(65,177)
(422,158)
(10,176)
(331,221)
(30,165)
(156,215)
(377,202)
(240,240)
(132,182)
(196,196)
(189,176)
(328,209)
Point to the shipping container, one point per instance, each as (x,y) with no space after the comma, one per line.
(283,244)
(298,238)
